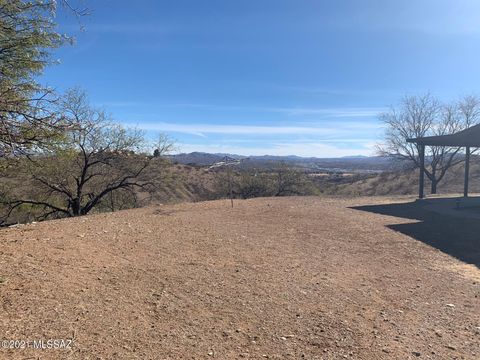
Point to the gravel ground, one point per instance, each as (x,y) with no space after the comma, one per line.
(283,278)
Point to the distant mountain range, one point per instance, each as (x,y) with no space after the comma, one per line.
(356,163)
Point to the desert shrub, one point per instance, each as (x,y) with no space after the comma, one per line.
(280,180)
(252,184)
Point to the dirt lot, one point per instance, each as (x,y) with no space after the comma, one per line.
(285,278)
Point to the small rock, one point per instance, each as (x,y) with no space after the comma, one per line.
(210,353)
(450,305)
(416,353)
(451,347)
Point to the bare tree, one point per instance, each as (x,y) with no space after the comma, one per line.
(468,109)
(96,158)
(419,116)
(164,146)
(289,181)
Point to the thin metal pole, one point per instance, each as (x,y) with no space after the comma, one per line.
(422,171)
(229,172)
(467,171)
(228,162)
(230,185)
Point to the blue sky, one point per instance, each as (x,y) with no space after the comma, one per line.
(253,77)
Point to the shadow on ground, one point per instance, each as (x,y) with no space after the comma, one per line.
(456,236)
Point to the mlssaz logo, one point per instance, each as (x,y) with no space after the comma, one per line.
(53,344)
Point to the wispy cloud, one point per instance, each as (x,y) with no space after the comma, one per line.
(334,112)
(294,110)
(199,129)
(202,129)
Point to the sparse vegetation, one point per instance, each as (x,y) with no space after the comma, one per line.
(280,180)
(168,182)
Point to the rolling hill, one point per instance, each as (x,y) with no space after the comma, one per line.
(311,164)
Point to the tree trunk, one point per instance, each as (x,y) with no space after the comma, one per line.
(76,207)
(433,189)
